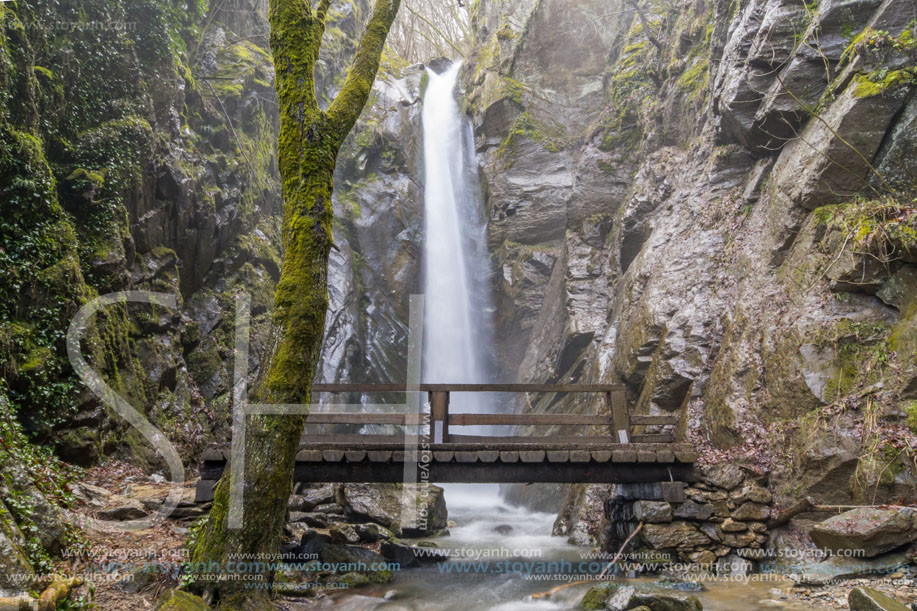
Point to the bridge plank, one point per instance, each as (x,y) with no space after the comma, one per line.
(488,455)
(379,455)
(624,456)
(601,455)
(332,455)
(579,456)
(531,456)
(685,456)
(509,457)
(558,455)
(355,455)
(309,456)
(646,456)
(441,456)
(665,455)
(466,457)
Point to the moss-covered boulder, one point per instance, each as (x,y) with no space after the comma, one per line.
(867,599)
(176,600)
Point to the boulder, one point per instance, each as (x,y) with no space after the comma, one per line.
(350,556)
(343,533)
(503,529)
(383,503)
(329,508)
(310,498)
(676,534)
(312,543)
(315,520)
(630,597)
(873,530)
(409,556)
(371,533)
(867,599)
(131,510)
(839,567)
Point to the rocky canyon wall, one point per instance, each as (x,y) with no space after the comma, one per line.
(712,203)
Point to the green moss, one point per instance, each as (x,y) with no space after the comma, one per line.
(882,81)
(596,597)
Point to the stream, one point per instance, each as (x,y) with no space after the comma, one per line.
(477,511)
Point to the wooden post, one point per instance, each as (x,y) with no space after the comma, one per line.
(439,406)
(617,400)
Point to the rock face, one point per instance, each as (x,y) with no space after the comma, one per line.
(672,217)
(872,530)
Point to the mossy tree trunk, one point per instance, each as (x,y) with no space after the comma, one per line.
(310,139)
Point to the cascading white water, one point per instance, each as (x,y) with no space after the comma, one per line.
(456,325)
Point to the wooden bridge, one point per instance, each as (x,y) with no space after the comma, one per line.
(618,451)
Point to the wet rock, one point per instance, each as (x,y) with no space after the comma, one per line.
(631,597)
(873,530)
(131,510)
(343,533)
(595,598)
(867,599)
(410,556)
(674,583)
(309,499)
(373,532)
(676,534)
(315,520)
(354,555)
(354,580)
(838,567)
(503,529)
(312,543)
(329,508)
(653,511)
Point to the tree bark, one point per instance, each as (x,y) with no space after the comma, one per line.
(309,142)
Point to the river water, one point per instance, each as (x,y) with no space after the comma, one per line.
(456,585)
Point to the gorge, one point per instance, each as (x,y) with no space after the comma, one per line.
(709,202)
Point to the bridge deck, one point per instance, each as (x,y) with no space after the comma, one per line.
(386,462)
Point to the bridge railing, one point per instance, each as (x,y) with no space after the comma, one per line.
(618,418)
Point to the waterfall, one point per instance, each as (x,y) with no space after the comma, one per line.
(457,329)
